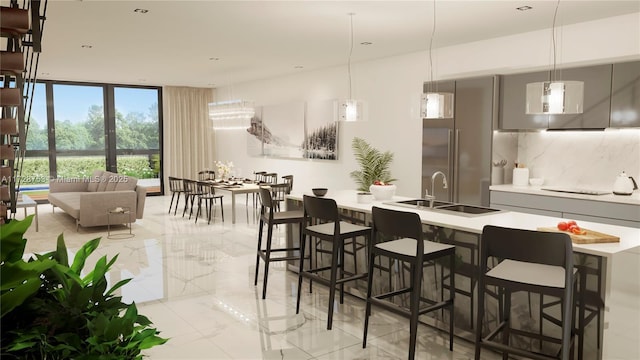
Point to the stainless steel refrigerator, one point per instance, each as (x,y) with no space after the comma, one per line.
(461,147)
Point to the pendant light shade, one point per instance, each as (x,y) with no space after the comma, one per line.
(558,97)
(436,105)
(349,110)
(555,96)
(232,114)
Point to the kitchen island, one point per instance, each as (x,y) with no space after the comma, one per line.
(617,264)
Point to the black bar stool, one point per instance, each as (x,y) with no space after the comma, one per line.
(322,221)
(398,235)
(272,217)
(534,261)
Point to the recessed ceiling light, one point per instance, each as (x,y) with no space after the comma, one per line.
(87,46)
(214,58)
(141,11)
(298,67)
(366,43)
(45,74)
(524,8)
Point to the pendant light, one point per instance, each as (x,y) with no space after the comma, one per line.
(555,96)
(350,110)
(231,115)
(434,104)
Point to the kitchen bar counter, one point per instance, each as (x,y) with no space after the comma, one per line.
(633,199)
(621,261)
(629,237)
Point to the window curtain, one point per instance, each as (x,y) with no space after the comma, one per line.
(189,141)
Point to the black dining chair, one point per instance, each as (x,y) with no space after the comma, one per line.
(191,193)
(322,221)
(176,186)
(398,235)
(532,261)
(207,192)
(206,175)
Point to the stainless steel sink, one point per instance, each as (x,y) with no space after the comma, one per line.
(445,207)
(468,210)
(418,203)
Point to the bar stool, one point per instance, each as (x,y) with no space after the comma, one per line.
(272,217)
(534,261)
(322,221)
(398,235)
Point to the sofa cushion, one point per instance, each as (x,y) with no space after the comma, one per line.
(111,184)
(103,181)
(67,201)
(94,181)
(126,183)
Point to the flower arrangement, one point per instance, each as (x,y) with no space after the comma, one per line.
(223,169)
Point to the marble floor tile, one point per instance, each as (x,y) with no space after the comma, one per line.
(195,282)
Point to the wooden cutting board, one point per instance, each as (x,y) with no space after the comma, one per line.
(591,237)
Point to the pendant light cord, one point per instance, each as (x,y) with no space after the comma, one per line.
(350,52)
(433,32)
(553,40)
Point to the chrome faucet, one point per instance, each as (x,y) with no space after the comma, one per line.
(433,182)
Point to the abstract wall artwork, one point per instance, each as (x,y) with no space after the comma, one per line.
(295,130)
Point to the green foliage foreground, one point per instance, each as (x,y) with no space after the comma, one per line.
(51,311)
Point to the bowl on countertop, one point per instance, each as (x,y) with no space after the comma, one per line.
(319,191)
(536,181)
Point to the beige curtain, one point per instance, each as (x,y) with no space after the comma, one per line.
(189,141)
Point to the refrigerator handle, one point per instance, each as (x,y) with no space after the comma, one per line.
(456,168)
(450,166)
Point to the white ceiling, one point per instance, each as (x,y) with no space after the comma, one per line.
(178,42)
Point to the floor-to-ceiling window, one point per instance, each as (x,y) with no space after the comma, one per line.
(76,128)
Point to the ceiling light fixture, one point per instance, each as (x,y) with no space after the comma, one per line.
(86,46)
(141,11)
(555,97)
(434,104)
(366,43)
(350,110)
(524,8)
(231,114)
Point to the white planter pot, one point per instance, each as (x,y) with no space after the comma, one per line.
(364,198)
(383,192)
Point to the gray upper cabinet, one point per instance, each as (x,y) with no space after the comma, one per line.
(513,102)
(597,98)
(625,95)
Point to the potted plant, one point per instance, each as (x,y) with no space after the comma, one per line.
(374,175)
(55,310)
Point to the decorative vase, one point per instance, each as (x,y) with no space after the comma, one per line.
(383,192)
(365,197)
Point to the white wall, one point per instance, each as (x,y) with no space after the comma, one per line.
(391,87)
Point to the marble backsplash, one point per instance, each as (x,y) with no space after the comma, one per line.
(587,159)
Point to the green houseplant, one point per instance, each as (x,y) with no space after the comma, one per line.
(51,310)
(374,165)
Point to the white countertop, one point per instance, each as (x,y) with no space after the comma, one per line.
(633,199)
(629,237)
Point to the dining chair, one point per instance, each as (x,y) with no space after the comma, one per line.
(271,178)
(176,186)
(271,216)
(207,192)
(288,179)
(527,260)
(191,192)
(258,179)
(206,175)
(322,221)
(398,235)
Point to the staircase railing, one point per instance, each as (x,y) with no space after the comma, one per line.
(29,44)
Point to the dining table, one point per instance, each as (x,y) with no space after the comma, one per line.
(235,188)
